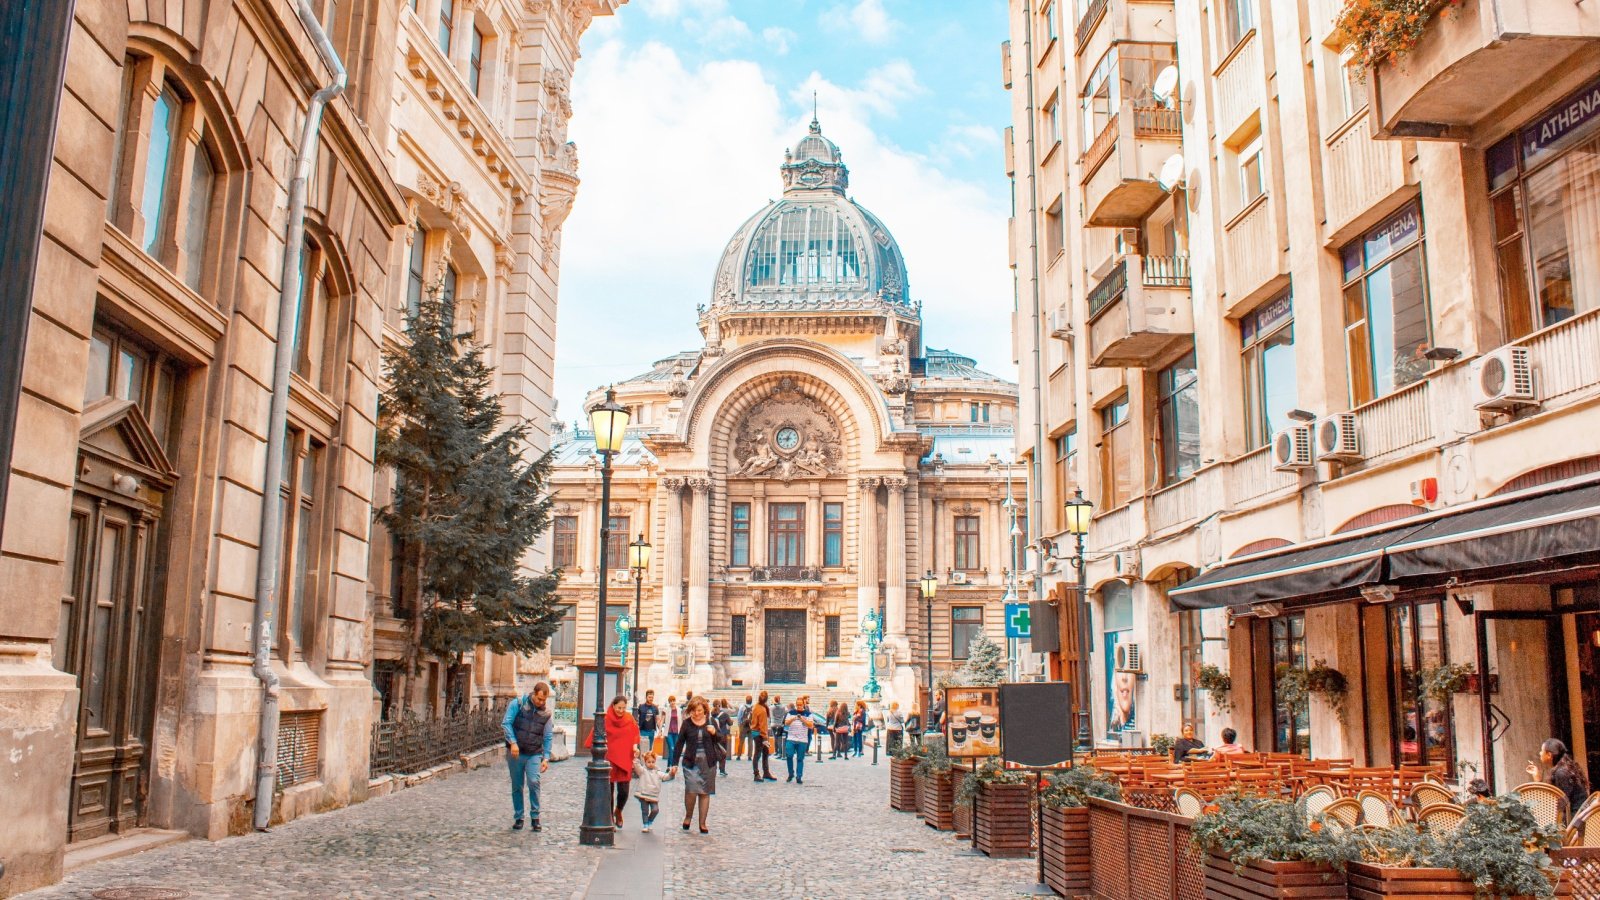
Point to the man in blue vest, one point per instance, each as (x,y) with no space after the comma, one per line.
(530,730)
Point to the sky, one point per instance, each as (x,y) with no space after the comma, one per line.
(681,113)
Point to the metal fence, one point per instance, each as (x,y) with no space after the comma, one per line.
(412,744)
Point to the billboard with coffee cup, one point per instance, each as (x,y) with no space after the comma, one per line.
(972,721)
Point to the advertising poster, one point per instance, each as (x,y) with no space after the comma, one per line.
(972,721)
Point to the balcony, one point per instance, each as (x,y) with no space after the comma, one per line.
(1119,169)
(768,574)
(1108,22)
(1359,174)
(1253,256)
(1136,322)
(1472,61)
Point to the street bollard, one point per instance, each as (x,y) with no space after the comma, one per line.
(877,738)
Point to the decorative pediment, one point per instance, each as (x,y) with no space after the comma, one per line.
(116,431)
(787,436)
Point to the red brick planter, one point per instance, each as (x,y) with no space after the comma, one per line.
(1065,844)
(1005,820)
(938,798)
(1272,880)
(1369,882)
(903,785)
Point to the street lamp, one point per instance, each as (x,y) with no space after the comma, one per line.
(609,421)
(930,587)
(1079,512)
(638,561)
(872,630)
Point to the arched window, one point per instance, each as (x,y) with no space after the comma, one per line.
(159,153)
(197,217)
(313,351)
(416,271)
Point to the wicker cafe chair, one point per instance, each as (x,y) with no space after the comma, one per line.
(1376,809)
(1189,803)
(1442,818)
(1318,798)
(1428,793)
(1585,830)
(1548,803)
(1346,811)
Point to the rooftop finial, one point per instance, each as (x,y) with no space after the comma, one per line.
(816,127)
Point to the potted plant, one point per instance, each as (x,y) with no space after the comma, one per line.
(1162,744)
(1002,805)
(938,788)
(1441,683)
(1064,832)
(1329,682)
(902,777)
(1500,850)
(1383,31)
(1218,684)
(1264,847)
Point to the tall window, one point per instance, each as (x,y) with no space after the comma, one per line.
(125,369)
(1238,19)
(448,295)
(830,636)
(1270,391)
(1178,414)
(475,63)
(786,529)
(298,489)
(1052,122)
(1102,97)
(614,612)
(967,533)
(833,534)
(966,623)
(565,641)
(161,154)
(1252,173)
(415,271)
(565,550)
(737,636)
(1190,637)
(1055,230)
(311,318)
(617,543)
(979,411)
(1291,727)
(447,24)
(1066,447)
(1423,729)
(1047,13)
(197,217)
(739,545)
(1386,307)
(1116,455)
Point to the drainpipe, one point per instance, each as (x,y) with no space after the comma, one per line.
(1035,468)
(269,560)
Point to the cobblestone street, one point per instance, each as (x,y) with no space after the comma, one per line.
(833,837)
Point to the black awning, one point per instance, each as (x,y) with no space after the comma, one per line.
(1551,531)
(1301,573)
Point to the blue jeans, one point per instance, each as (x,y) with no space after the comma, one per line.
(672,741)
(524,769)
(858,742)
(795,757)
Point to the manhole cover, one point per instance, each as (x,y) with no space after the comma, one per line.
(906,850)
(140,892)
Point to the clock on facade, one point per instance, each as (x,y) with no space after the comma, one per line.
(787,438)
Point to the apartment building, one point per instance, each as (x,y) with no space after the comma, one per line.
(1320,345)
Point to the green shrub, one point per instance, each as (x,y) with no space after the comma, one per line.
(1247,829)
(1074,787)
(991,772)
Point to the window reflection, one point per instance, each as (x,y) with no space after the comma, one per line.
(157,164)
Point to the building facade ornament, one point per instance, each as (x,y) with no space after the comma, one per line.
(787,436)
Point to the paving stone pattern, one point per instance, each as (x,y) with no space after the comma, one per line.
(833,837)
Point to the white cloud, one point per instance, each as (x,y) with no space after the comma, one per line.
(778,39)
(967,141)
(708,20)
(867,19)
(675,157)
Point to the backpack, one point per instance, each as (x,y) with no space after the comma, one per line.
(724,723)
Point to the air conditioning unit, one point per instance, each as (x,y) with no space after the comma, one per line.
(1338,438)
(1503,379)
(1131,738)
(623,574)
(1061,323)
(1129,658)
(1291,448)
(958,578)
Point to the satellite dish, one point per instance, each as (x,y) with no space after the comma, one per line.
(1171,172)
(1166,82)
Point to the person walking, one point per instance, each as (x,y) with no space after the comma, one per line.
(858,728)
(647,787)
(741,736)
(622,742)
(672,724)
(724,731)
(841,730)
(529,732)
(775,714)
(648,716)
(699,751)
(760,749)
(894,724)
(797,729)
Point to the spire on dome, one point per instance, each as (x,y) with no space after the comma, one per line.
(815,163)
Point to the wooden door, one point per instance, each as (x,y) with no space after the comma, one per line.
(786,646)
(1588,663)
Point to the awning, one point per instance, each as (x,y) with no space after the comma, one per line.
(1554,529)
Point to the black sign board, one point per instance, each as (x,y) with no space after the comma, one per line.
(1046,634)
(1036,723)
(638,635)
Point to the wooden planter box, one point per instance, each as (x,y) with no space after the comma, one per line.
(902,785)
(1368,882)
(920,784)
(960,812)
(1005,820)
(938,799)
(1065,845)
(1272,880)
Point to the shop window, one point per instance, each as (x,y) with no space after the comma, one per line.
(617,543)
(1116,455)
(966,623)
(1387,328)
(1178,418)
(1116,605)
(565,552)
(1291,727)
(833,534)
(564,643)
(737,637)
(832,637)
(1270,389)
(968,534)
(739,543)
(1423,729)
(786,532)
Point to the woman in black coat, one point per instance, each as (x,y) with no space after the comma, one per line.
(699,751)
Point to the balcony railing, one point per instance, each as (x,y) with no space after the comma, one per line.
(1252,475)
(1090,19)
(1174,505)
(1110,288)
(1563,357)
(1394,422)
(1251,251)
(1238,86)
(1360,171)
(1167,271)
(785,573)
(1158,121)
(1101,148)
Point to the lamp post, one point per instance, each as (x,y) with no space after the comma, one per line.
(638,561)
(1079,511)
(609,420)
(930,587)
(872,630)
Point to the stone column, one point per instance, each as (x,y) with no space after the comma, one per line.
(999,541)
(936,537)
(758,527)
(895,551)
(589,539)
(867,544)
(672,560)
(700,559)
(814,533)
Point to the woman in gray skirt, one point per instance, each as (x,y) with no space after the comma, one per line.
(699,751)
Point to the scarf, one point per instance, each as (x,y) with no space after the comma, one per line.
(622,736)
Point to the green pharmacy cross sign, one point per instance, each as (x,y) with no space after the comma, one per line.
(1019,621)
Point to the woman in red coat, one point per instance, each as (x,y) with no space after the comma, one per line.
(622,739)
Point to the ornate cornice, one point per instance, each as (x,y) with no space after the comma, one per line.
(895,483)
(700,484)
(673,484)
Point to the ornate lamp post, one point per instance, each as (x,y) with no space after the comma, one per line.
(638,561)
(872,630)
(1079,512)
(609,420)
(930,587)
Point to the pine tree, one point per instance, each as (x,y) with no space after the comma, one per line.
(985,665)
(466,505)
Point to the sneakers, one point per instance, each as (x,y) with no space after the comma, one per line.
(535,824)
(517,826)
(645,829)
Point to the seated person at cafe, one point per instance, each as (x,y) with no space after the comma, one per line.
(1227,747)
(1186,745)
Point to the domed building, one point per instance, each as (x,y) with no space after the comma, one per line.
(801,468)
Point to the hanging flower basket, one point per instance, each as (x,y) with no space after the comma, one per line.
(1384,31)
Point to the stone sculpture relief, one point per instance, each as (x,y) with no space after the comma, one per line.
(785,437)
